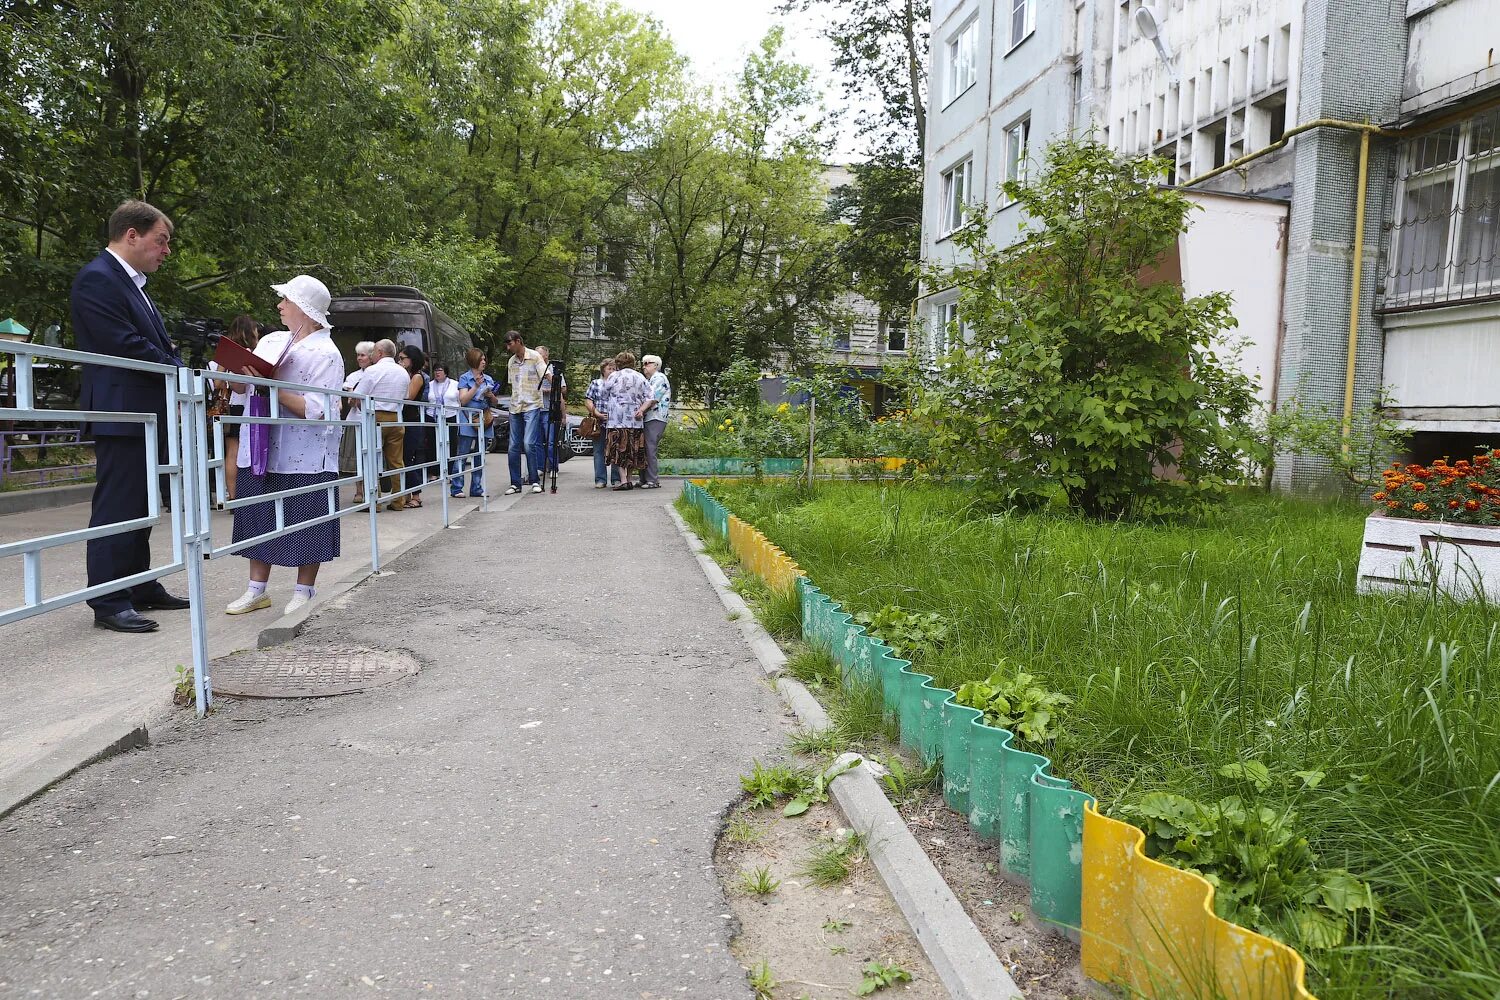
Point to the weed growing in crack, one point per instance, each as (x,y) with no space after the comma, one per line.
(758,881)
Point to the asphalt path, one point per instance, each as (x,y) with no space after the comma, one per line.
(533,815)
(68,690)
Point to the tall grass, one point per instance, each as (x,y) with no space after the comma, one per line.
(1233,636)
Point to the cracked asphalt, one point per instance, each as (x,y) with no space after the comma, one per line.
(533,815)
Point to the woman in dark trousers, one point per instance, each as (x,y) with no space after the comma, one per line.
(419,446)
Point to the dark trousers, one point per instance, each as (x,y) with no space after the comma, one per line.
(120,495)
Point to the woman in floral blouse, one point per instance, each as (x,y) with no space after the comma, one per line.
(627,394)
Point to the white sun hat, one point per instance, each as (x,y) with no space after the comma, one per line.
(308,294)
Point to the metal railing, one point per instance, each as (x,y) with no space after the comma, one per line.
(198,483)
(31,550)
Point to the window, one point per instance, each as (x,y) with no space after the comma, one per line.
(597,321)
(893,335)
(963,60)
(841,340)
(1447,221)
(951,330)
(1022,20)
(1017,137)
(956,186)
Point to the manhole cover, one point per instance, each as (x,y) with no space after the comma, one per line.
(301,672)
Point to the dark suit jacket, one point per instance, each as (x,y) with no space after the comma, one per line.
(110,316)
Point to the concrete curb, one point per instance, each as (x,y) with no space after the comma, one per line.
(23,501)
(129,729)
(962,957)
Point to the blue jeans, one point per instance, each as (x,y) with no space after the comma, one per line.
(615,474)
(468,444)
(526,428)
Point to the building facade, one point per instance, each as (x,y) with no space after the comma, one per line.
(1334,105)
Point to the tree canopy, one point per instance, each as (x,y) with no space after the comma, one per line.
(482,151)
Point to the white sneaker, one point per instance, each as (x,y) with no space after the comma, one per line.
(536,487)
(296,603)
(247,602)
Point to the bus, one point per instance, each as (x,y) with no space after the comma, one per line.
(399,313)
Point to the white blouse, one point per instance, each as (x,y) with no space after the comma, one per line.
(314,360)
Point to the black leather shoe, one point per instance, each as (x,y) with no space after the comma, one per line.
(161,602)
(125,621)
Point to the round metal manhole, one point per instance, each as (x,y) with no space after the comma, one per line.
(308,672)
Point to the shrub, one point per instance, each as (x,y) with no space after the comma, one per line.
(1080,381)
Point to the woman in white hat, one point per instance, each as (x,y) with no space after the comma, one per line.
(303,353)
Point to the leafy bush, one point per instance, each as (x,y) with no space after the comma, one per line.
(1264,874)
(1015,701)
(1078,380)
(911,635)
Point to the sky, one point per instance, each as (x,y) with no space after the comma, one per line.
(717,34)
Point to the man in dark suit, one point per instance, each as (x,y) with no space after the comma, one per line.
(113,315)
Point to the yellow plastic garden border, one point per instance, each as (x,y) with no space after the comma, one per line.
(1152,927)
(760,557)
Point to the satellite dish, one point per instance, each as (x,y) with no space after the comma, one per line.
(1146,23)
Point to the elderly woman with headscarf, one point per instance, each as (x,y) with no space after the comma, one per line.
(298,456)
(628,394)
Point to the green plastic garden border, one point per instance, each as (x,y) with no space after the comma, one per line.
(1009,795)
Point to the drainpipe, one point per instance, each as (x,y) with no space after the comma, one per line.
(1365,130)
(1354,283)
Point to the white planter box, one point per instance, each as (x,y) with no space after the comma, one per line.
(1401,555)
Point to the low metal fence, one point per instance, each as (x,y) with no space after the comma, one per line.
(195,472)
(38,442)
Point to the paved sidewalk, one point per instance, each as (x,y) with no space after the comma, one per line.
(532,816)
(69,690)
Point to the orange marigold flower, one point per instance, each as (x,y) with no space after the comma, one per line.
(1453,505)
(1471,505)
(1391,505)
(1419,487)
(1420,508)
(1477,486)
(1378,496)
(1450,480)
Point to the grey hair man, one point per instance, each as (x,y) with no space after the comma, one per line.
(388,384)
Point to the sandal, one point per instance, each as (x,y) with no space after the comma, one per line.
(621,488)
(413,502)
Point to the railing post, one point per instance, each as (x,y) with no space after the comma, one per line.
(484,452)
(371,432)
(443,459)
(192,412)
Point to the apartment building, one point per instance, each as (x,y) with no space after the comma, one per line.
(1314,108)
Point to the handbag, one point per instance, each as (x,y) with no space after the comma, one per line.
(260,434)
(588,428)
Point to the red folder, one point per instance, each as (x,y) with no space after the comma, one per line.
(233,358)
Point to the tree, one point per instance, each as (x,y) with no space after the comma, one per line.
(732,254)
(1080,381)
(881,48)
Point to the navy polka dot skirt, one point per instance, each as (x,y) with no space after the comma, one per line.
(317,544)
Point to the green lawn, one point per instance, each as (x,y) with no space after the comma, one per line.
(1187,646)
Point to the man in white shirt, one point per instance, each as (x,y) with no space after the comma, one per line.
(390,382)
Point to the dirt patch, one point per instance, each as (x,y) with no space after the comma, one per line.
(1040,959)
(815,940)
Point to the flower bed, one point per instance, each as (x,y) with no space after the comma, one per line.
(1226,657)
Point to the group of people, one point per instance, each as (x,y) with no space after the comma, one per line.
(112,315)
(631,409)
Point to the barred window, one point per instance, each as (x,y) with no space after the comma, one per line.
(1447,220)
